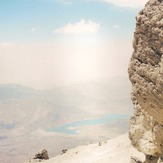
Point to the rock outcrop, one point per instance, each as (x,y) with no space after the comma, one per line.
(146,76)
(42,154)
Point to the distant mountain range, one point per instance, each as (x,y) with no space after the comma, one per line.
(75,102)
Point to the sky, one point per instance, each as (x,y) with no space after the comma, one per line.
(48,43)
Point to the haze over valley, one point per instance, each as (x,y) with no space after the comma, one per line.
(63,116)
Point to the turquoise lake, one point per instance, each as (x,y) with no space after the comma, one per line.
(90,122)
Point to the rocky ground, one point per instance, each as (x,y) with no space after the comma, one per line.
(119,149)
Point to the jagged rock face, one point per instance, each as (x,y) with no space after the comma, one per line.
(146,76)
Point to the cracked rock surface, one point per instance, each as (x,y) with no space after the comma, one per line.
(146,75)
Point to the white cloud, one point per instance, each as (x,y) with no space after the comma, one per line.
(121,3)
(79,28)
(33,29)
(128,3)
(66,2)
(5,44)
(116,26)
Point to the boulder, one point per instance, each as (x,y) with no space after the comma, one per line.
(146,75)
(42,154)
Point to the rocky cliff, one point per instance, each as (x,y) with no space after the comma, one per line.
(146,76)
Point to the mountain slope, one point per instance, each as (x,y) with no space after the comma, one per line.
(117,150)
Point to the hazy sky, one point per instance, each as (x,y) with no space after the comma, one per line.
(44,43)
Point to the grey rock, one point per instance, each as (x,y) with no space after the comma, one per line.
(64,151)
(152,2)
(146,75)
(42,155)
(135,160)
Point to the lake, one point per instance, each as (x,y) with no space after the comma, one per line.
(67,128)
